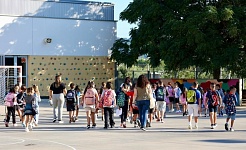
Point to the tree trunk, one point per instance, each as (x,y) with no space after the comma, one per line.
(216,73)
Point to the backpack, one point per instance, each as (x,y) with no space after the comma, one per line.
(215,98)
(191,96)
(108,98)
(71,96)
(230,103)
(9,101)
(121,99)
(159,94)
(90,97)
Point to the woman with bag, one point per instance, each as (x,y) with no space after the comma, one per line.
(142,95)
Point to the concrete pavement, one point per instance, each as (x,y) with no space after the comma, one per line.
(173,134)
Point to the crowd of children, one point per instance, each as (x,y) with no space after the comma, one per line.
(25,101)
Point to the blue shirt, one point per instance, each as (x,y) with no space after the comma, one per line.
(230,101)
(210,96)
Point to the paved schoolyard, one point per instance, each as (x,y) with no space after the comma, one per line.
(173,134)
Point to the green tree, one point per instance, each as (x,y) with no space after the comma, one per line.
(209,34)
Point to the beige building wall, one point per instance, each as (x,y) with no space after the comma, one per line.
(76,69)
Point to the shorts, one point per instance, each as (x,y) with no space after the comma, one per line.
(212,108)
(161,105)
(135,111)
(29,112)
(151,110)
(193,110)
(171,99)
(90,108)
(71,107)
(176,100)
(231,116)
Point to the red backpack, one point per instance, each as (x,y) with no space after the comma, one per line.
(90,97)
(108,98)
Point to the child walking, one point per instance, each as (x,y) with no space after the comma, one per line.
(10,100)
(37,101)
(71,98)
(230,101)
(108,100)
(29,112)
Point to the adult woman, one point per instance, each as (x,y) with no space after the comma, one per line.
(57,91)
(142,95)
(125,87)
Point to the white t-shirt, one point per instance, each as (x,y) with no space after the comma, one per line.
(113,94)
(177,92)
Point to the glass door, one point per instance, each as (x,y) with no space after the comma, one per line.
(18,61)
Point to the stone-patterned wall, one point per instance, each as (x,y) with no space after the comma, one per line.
(79,70)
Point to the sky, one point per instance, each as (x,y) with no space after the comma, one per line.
(123,27)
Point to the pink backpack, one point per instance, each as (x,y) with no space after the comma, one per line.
(108,98)
(9,100)
(90,97)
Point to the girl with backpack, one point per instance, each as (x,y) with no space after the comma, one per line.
(10,99)
(90,100)
(37,101)
(108,101)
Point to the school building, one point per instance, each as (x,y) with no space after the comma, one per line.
(49,37)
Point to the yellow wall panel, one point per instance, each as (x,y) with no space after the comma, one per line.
(79,70)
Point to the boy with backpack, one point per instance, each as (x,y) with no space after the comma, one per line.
(160,94)
(194,104)
(108,101)
(71,99)
(230,101)
(213,99)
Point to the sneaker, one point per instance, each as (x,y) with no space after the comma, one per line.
(94,125)
(162,121)
(15,125)
(70,121)
(88,127)
(172,110)
(158,120)
(6,125)
(112,126)
(190,127)
(135,124)
(30,127)
(105,128)
(26,129)
(54,120)
(138,123)
(226,127)
(60,121)
(23,125)
(215,125)
(143,129)
(231,129)
(76,119)
(196,127)
(124,125)
(212,126)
